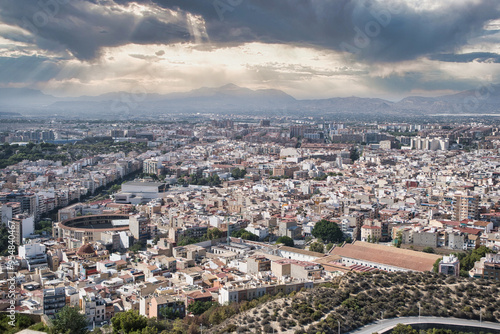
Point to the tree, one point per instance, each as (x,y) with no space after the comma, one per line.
(199,307)
(328,231)
(428,250)
(435,266)
(404,329)
(169,313)
(238,173)
(467,261)
(136,247)
(214,233)
(354,154)
(127,322)
(399,239)
(287,241)
(244,234)
(317,247)
(329,246)
(69,319)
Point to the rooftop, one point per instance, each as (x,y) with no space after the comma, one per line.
(391,256)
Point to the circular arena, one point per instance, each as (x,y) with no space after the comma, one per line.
(90,227)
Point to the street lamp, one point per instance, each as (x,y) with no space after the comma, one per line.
(338,322)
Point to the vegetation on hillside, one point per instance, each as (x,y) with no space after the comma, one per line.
(21,322)
(407,329)
(356,300)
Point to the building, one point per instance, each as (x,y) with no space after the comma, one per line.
(139,228)
(96,308)
(492,267)
(465,207)
(53,300)
(384,257)
(487,267)
(371,233)
(450,265)
(259,230)
(298,254)
(34,255)
(137,192)
(10,210)
(239,292)
(90,227)
(296,269)
(152,166)
(23,226)
(26,200)
(258,263)
(289,228)
(286,171)
(159,305)
(425,238)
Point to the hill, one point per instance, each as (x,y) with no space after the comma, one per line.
(359,299)
(232,99)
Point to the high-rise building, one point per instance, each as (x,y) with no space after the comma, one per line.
(53,300)
(139,227)
(23,226)
(26,200)
(465,207)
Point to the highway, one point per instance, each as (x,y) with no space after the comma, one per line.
(386,324)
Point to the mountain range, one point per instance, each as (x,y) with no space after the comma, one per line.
(239,100)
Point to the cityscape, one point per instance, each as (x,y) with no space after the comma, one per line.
(241,166)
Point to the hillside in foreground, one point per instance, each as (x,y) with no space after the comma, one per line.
(359,299)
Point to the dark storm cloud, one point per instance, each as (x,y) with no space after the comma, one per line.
(373,31)
(83,28)
(378,31)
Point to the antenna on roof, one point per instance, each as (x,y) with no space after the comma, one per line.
(228,231)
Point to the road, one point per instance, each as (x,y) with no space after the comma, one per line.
(383,325)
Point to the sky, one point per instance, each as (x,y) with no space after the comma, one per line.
(307,48)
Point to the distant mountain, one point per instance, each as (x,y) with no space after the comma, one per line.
(348,105)
(228,98)
(483,100)
(24,97)
(234,99)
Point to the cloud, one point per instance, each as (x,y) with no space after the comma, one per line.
(83,28)
(371,30)
(145,57)
(296,72)
(481,57)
